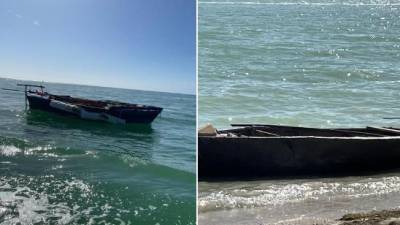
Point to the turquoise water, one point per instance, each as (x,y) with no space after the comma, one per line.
(306,63)
(315,64)
(62,170)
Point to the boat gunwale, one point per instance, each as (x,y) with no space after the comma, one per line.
(123,105)
(359,130)
(302,137)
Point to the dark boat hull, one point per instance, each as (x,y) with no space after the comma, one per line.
(122,115)
(250,157)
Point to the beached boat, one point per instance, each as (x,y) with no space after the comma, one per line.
(109,111)
(250,151)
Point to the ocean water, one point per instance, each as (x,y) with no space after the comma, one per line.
(62,170)
(304,63)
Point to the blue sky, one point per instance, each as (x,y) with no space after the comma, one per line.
(136,44)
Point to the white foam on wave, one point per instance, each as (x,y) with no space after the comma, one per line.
(26,206)
(270,195)
(38,149)
(9,150)
(19,203)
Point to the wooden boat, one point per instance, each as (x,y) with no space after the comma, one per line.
(109,111)
(250,151)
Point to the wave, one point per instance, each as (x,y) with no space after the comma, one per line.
(50,184)
(239,196)
(21,204)
(50,199)
(12,149)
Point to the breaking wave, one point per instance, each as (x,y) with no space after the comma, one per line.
(233,196)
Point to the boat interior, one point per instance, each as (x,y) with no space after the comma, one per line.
(99,104)
(259,130)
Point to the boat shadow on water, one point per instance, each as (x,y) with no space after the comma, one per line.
(123,141)
(49,119)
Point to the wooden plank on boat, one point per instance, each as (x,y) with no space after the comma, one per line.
(266,133)
(248,125)
(385,130)
(394,128)
(351,133)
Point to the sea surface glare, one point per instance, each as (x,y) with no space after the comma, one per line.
(302,63)
(63,170)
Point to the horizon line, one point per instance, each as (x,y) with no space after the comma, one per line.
(91,85)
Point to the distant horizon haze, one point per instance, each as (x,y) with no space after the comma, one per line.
(90,85)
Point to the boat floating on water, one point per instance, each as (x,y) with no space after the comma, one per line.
(257,150)
(109,111)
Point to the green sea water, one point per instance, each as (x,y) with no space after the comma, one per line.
(303,63)
(62,170)
(328,63)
